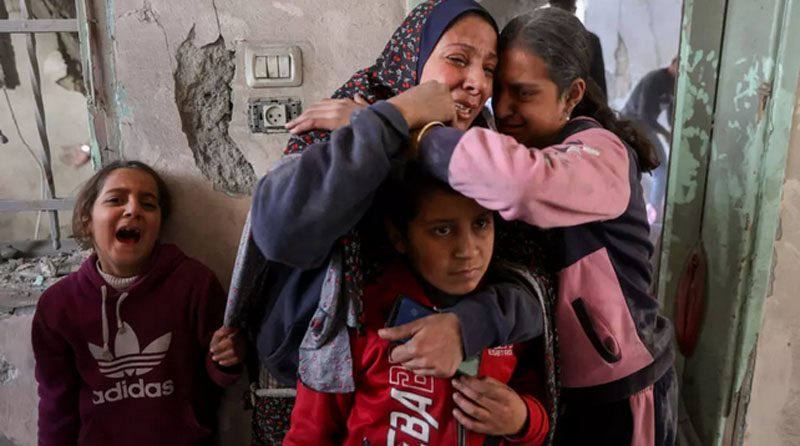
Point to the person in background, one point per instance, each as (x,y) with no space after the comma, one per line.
(653,95)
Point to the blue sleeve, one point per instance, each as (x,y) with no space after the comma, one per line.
(497,314)
(307,202)
(436,149)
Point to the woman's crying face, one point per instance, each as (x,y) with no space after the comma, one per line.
(465,59)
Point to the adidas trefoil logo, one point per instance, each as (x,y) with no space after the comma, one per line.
(128,358)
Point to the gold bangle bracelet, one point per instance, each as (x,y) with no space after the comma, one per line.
(428,127)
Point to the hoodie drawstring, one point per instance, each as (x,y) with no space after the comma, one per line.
(106,351)
(120,326)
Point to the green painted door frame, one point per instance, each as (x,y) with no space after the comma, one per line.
(734,101)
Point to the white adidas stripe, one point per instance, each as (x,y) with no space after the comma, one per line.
(124,359)
(134,365)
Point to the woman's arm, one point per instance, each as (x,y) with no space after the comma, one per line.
(582,180)
(303,205)
(499,313)
(307,202)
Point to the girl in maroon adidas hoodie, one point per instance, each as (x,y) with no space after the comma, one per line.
(443,243)
(129,349)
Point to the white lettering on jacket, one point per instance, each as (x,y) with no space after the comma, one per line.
(415,422)
(122,391)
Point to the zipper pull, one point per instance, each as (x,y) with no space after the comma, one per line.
(462,434)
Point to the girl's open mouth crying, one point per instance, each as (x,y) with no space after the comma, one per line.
(128,236)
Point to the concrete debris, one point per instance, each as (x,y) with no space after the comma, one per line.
(8,373)
(203,96)
(8,252)
(37,274)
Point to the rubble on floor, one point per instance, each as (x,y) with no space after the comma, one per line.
(22,280)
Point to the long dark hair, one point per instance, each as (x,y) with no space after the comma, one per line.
(82,214)
(560,39)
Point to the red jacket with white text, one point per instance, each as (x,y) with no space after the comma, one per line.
(394,406)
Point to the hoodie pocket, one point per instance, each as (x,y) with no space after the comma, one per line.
(598,333)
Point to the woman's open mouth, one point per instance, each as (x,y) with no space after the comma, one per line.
(464,112)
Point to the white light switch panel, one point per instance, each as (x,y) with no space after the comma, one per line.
(273,65)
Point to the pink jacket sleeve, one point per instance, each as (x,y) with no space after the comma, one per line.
(582,180)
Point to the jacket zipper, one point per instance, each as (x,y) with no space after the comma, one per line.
(461,431)
(462,434)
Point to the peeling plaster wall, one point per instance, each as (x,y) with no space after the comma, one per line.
(18,398)
(772,418)
(203,96)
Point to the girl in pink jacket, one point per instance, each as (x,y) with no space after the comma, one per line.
(563,161)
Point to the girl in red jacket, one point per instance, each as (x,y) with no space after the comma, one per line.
(128,349)
(444,243)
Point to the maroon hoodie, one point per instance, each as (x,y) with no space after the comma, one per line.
(129,367)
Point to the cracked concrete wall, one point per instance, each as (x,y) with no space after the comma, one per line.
(772,418)
(8,373)
(18,398)
(203,95)
(637,36)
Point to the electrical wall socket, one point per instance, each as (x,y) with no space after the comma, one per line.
(270,115)
(275,115)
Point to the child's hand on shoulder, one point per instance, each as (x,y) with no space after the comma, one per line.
(227,347)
